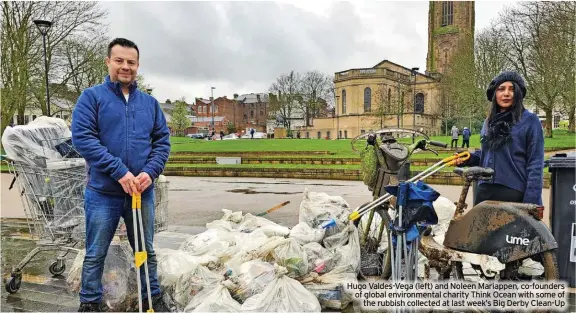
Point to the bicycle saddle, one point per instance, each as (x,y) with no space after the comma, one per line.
(476,173)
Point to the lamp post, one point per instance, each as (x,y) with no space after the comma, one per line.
(337,118)
(43,27)
(414,72)
(212,98)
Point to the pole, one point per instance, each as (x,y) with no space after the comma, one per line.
(212,98)
(46,75)
(414,108)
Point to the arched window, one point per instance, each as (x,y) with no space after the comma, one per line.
(419,103)
(447,13)
(389,100)
(367,99)
(343,101)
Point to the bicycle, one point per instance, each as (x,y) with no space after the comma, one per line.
(485,236)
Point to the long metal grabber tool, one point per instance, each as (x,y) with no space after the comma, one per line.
(140,257)
(448,161)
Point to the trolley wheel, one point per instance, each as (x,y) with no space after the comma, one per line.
(56,269)
(13,285)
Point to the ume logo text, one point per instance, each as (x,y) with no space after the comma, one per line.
(517,240)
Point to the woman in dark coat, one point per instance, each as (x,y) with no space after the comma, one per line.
(512,143)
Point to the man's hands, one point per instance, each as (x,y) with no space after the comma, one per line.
(138,184)
(128,183)
(143,180)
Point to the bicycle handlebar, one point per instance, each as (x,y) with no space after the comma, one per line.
(439,144)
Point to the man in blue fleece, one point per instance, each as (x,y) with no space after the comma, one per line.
(122,134)
(512,144)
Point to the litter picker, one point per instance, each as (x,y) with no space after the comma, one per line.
(140,257)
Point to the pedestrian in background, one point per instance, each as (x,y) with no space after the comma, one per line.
(466,137)
(455,136)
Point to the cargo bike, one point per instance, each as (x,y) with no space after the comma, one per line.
(400,228)
(52,195)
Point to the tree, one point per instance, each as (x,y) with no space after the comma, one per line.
(538,51)
(16,45)
(314,88)
(77,26)
(387,106)
(179,119)
(75,36)
(284,98)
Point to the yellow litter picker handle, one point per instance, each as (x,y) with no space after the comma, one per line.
(141,256)
(451,161)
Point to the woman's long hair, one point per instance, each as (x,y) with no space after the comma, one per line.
(517,105)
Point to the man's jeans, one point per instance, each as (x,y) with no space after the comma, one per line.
(103,212)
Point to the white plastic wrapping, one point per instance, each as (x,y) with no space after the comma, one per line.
(172,264)
(214,299)
(251,223)
(35,142)
(217,243)
(350,252)
(320,259)
(262,248)
(304,234)
(329,288)
(191,283)
(283,295)
(291,255)
(317,208)
(118,280)
(253,277)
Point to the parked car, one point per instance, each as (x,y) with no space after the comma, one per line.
(257,135)
(230,137)
(196,135)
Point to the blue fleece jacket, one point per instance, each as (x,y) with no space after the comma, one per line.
(115,136)
(520,164)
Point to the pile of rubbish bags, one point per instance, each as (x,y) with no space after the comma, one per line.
(247,263)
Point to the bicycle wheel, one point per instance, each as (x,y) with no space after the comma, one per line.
(374,243)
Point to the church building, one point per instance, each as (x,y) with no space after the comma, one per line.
(392,95)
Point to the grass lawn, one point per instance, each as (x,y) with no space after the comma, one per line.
(341,148)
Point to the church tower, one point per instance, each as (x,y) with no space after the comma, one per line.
(450,24)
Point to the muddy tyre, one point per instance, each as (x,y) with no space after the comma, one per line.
(13,285)
(374,262)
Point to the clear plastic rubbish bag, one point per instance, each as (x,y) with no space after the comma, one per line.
(36,142)
(270,228)
(252,278)
(255,247)
(118,280)
(172,264)
(215,299)
(330,288)
(291,255)
(192,283)
(304,234)
(283,295)
(318,208)
(320,259)
(350,252)
(212,242)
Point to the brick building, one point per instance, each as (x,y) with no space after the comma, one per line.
(244,112)
(253,111)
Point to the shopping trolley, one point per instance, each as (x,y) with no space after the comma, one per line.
(52,196)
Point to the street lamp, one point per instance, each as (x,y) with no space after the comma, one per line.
(213,126)
(414,72)
(43,27)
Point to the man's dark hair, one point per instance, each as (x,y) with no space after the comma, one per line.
(124,43)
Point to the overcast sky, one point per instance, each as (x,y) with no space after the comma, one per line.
(242,47)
